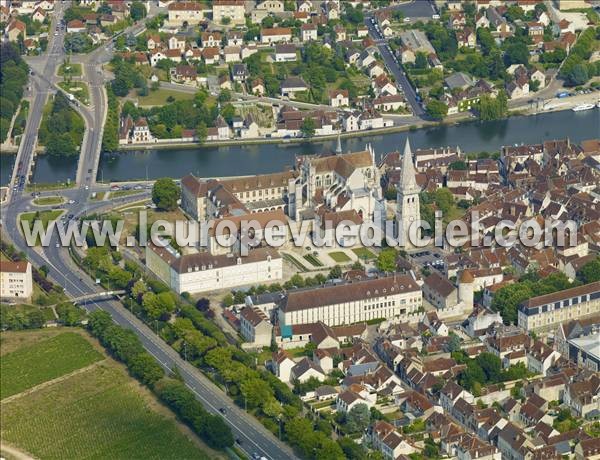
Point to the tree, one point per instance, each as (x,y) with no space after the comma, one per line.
(157,305)
(357,420)
(516,53)
(217,433)
(590,272)
(491,108)
(578,75)
(256,392)
(145,368)
(436,109)
(334,273)
(421,61)
(165,194)
(137,11)
(308,127)
(224,96)
(386,260)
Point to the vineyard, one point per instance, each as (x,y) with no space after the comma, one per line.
(99,412)
(46,360)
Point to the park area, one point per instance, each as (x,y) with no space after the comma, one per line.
(63,397)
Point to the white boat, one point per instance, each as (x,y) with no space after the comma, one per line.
(583,107)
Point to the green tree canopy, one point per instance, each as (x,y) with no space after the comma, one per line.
(165,194)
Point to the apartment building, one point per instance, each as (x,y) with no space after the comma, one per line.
(234,10)
(181,13)
(15,279)
(394,298)
(551,309)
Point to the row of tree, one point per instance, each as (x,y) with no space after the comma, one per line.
(577,70)
(13,76)
(125,346)
(62,128)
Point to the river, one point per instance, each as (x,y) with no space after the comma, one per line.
(255,159)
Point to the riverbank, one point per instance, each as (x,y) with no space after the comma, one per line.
(551,106)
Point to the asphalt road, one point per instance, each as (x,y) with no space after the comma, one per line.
(395,68)
(40,87)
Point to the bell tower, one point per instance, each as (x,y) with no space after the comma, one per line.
(407,201)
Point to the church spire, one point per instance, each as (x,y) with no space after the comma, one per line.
(408,182)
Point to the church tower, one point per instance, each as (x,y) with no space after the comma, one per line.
(407,201)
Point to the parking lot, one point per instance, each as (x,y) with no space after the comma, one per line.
(428,258)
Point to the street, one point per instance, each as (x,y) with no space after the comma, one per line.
(395,68)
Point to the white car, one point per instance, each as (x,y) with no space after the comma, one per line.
(406,19)
(435,16)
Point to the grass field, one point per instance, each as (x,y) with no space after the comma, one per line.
(44,216)
(46,360)
(160,96)
(98,413)
(340,257)
(363,253)
(77,89)
(73,70)
(48,200)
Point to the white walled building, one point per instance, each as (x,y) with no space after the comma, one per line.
(551,309)
(181,13)
(232,9)
(203,272)
(15,279)
(395,298)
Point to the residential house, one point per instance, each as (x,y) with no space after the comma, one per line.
(282,365)
(306,369)
(276,35)
(255,327)
(308,32)
(285,53)
(239,73)
(292,85)
(339,98)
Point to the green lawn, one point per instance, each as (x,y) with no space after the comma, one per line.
(46,360)
(48,200)
(48,186)
(340,257)
(363,253)
(295,262)
(313,260)
(160,96)
(44,216)
(122,193)
(71,70)
(98,413)
(78,89)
